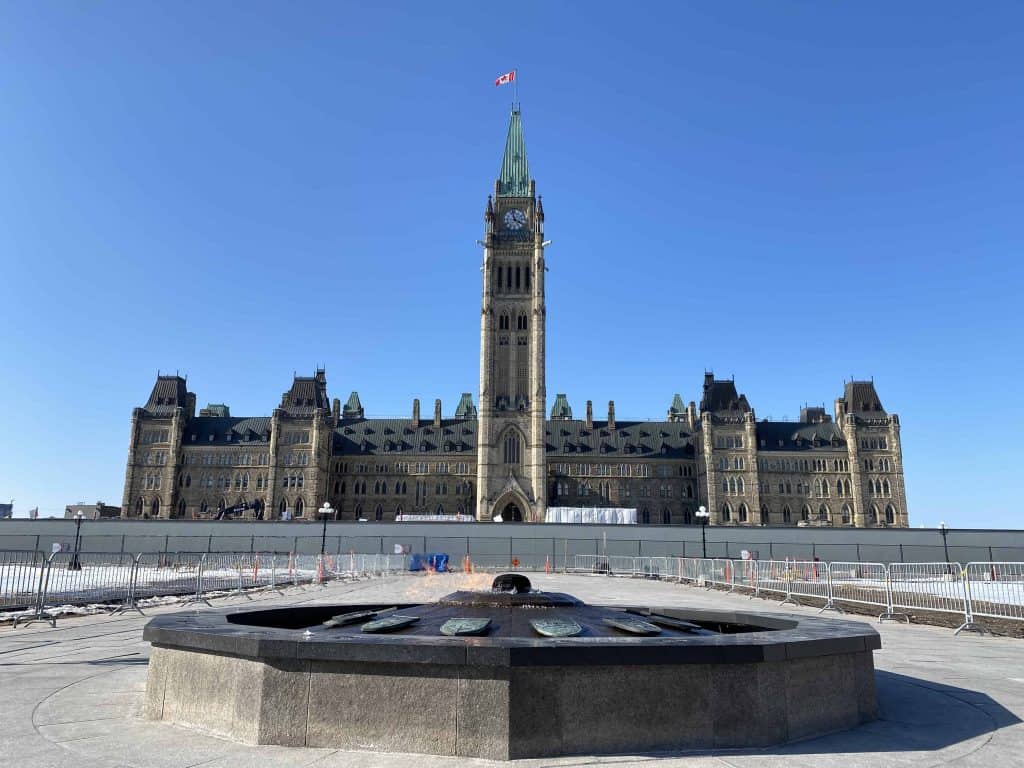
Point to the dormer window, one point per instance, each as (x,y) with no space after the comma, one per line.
(211,438)
(423,446)
(193,437)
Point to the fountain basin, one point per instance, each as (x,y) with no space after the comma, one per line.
(279,677)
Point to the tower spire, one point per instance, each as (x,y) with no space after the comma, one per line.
(514,180)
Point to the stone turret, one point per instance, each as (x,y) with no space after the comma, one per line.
(437,413)
(415,413)
(611,414)
(590,414)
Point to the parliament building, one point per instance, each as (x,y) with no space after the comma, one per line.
(510,456)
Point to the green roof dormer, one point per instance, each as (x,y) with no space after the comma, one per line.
(514,180)
(561,411)
(353,408)
(466,409)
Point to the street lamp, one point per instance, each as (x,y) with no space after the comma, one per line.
(944,530)
(75,564)
(326,512)
(702,513)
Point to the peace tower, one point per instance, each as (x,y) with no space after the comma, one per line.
(510,462)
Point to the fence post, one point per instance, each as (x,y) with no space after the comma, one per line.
(890,612)
(969,624)
(209,543)
(252,543)
(39,610)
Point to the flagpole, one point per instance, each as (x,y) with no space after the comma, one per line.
(515,88)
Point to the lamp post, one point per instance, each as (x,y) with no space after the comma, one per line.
(75,564)
(326,511)
(944,530)
(702,513)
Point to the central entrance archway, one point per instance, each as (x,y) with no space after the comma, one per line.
(511,513)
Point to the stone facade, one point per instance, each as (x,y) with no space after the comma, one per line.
(512,458)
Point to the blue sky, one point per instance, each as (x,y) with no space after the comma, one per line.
(790,193)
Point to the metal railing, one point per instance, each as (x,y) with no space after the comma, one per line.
(42,587)
(979,589)
(20,572)
(28,581)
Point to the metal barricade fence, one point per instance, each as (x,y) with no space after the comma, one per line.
(720,572)
(168,574)
(744,575)
(995,590)
(621,565)
(20,573)
(302,569)
(705,566)
(256,571)
(659,568)
(861,584)
(773,576)
(688,568)
(584,563)
(809,578)
(85,578)
(927,587)
(222,571)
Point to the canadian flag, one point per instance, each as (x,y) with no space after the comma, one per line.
(508,77)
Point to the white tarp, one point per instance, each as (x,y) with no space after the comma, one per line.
(602,515)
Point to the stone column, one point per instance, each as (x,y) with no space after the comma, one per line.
(484,438)
(848,423)
(753,473)
(272,492)
(538,459)
(129,474)
(899,489)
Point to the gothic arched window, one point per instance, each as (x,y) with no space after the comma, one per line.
(726,513)
(378,514)
(890,514)
(743,513)
(512,448)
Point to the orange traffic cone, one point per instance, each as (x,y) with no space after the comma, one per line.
(547,564)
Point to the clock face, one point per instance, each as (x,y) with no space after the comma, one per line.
(515,219)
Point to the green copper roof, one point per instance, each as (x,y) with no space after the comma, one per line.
(514,180)
(677,406)
(561,409)
(353,408)
(466,409)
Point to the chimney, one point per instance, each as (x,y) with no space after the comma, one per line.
(437,413)
(590,414)
(336,410)
(416,413)
(611,414)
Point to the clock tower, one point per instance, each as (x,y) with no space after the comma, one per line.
(511,477)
